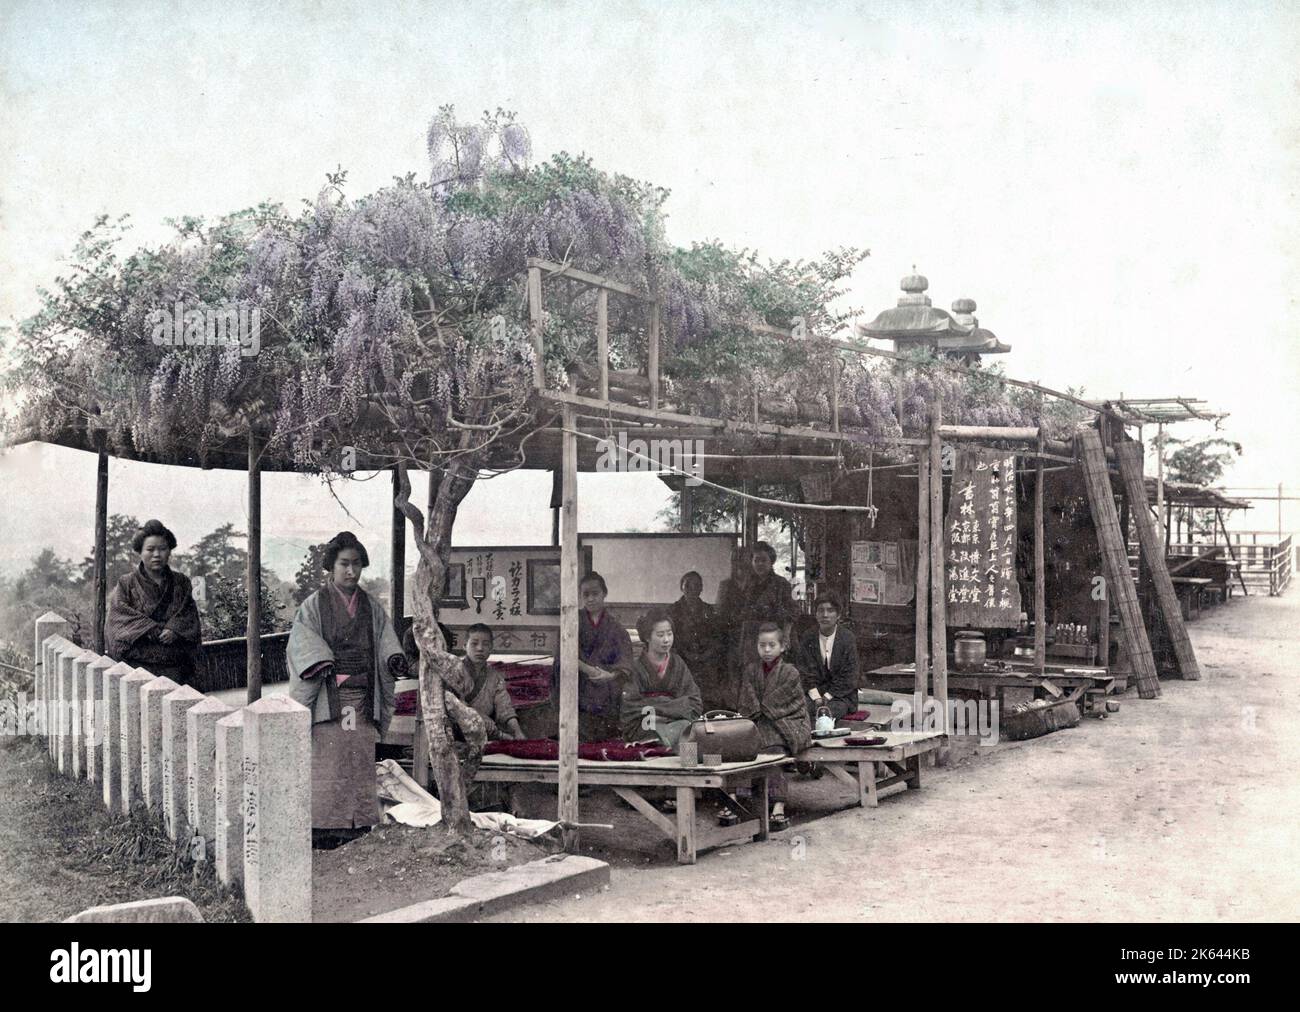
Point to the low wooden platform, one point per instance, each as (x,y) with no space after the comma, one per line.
(629,779)
(895,762)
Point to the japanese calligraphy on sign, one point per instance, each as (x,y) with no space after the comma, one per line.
(980,541)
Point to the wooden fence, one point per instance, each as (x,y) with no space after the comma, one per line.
(1264,567)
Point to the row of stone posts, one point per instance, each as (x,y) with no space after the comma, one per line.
(235,784)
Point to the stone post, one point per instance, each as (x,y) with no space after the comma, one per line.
(50,691)
(175,749)
(200,772)
(80,664)
(131,720)
(63,708)
(110,732)
(151,741)
(51,624)
(93,717)
(277,810)
(228,797)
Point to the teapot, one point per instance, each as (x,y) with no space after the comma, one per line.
(825,722)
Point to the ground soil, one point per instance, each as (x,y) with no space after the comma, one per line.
(61,851)
(397,865)
(1178,808)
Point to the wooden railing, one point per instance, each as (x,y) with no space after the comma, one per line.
(1263,566)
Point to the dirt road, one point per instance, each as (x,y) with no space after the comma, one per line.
(1181,808)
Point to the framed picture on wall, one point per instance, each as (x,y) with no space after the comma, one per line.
(453,586)
(543,586)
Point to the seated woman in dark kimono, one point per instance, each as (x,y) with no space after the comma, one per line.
(771,695)
(152,620)
(767,598)
(660,698)
(344,659)
(604,648)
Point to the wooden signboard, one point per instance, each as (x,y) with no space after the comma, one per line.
(980,541)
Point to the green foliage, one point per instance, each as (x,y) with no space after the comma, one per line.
(226,612)
(310,574)
(1202,462)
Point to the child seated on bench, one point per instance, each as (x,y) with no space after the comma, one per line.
(487,688)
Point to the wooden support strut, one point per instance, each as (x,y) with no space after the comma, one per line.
(938,596)
(922,577)
(568,745)
(1129,455)
(253,572)
(101,538)
(1119,580)
(1040,570)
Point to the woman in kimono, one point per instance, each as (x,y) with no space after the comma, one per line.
(152,620)
(604,648)
(771,695)
(344,659)
(660,698)
(698,639)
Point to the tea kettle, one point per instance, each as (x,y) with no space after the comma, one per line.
(825,722)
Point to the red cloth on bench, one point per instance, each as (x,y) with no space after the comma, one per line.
(528,685)
(600,751)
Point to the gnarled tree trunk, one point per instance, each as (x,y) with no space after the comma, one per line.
(448,487)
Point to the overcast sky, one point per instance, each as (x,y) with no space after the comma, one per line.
(1114,184)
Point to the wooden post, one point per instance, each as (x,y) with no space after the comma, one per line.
(398,602)
(922,575)
(1160,480)
(1040,566)
(938,595)
(1218,514)
(750,514)
(253,573)
(685,504)
(1119,581)
(1128,455)
(568,757)
(602,341)
(535,326)
(101,538)
(653,365)
(835,392)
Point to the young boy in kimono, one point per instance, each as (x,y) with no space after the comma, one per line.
(486,691)
(771,695)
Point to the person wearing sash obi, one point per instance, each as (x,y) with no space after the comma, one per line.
(660,698)
(604,648)
(771,695)
(767,598)
(153,622)
(829,662)
(486,691)
(344,659)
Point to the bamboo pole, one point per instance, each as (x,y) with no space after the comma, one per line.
(1119,582)
(922,579)
(568,750)
(1129,455)
(253,571)
(1040,570)
(938,596)
(1160,481)
(101,539)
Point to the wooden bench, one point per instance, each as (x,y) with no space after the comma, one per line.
(895,762)
(629,779)
(1190,590)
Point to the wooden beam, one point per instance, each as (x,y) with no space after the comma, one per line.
(835,393)
(253,571)
(398,551)
(602,342)
(535,325)
(1014,434)
(724,424)
(938,594)
(685,498)
(1119,581)
(101,539)
(568,748)
(652,366)
(1040,570)
(595,280)
(1129,454)
(922,647)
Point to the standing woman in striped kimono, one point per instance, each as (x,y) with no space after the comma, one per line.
(344,659)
